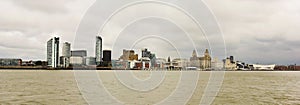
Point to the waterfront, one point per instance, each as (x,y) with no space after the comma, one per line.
(239,87)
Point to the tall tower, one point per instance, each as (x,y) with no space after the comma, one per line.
(66,50)
(53,52)
(98,50)
(207,60)
(66,54)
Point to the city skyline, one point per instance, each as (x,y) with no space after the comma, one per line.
(268,36)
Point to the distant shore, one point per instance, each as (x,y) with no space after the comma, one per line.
(106,68)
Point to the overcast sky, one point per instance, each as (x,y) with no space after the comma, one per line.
(255,31)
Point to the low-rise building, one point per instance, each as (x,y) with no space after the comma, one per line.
(10,62)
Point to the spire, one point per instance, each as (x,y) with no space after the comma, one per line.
(194,54)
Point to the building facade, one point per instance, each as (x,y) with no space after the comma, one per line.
(10,62)
(66,49)
(128,55)
(106,61)
(53,52)
(229,64)
(98,50)
(79,53)
(66,54)
(201,62)
(205,62)
(194,60)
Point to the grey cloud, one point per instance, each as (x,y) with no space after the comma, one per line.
(255,31)
(49,6)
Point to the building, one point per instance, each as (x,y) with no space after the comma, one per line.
(216,64)
(148,54)
(98,50)
(77,61)
(79,53)
(128,55)
(66,49)
(263,67)
(201,62)
(90,61)
(66,54)
(179,63)
(106,61)
(53,52)
(10,62)
(145,63)
(64,61)
(160,63)
(229,64)
(205,62)
(194,60)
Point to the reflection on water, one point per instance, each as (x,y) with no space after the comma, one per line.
(60,87)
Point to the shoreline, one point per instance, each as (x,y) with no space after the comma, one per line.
(110,69)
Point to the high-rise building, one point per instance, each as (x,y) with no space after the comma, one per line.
(98,50)
(66,50)
(106,59)
(53,52)
(66,54)
(107,55)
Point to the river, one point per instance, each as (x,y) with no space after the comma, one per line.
(61,87)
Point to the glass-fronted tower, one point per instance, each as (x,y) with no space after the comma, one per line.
(66,54)
(53,52)
(66,50)
(98,50)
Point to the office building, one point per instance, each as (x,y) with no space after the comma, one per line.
(90,61)
(77,61)
(66,54)
(98,50)
(106,59)
(66,50)
(53,52)
(64,62)
(10,62)
(79,53)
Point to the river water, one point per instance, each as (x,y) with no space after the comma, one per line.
(61,87)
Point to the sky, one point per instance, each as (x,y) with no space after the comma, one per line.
(254,31)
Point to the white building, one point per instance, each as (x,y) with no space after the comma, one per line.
(229,64)
(53,52)
(77,61)
(263,67)
(216,64)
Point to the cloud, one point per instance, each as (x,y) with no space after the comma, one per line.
(48,6)
(255,31)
